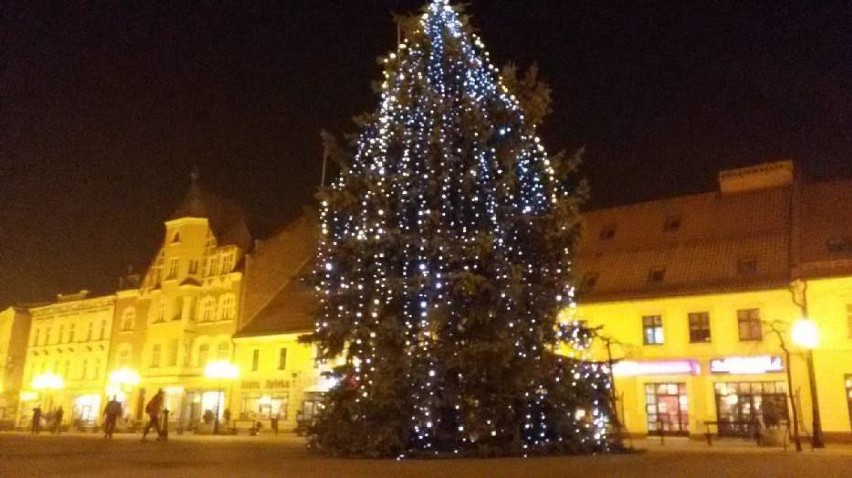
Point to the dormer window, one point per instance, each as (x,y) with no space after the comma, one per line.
(672,224)
(656,275)
(839,245)
(747,266)
(176,238)
(608,232)
(589,281)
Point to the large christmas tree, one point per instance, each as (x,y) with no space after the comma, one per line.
(444,262)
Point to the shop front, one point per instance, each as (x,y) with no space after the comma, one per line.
(262,401)
(849,398)
(750,393)
(667,406)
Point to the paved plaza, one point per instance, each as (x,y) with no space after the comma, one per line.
(88,455)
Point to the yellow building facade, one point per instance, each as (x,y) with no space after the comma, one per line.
(14,333)
(182,314)
(66,358)
(694,296)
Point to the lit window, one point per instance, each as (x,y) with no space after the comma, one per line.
(203,354)
(608,232)
(656,275)
(207,309)
(227,262)
(174,266)
(699,327)
(156,351)
(226,307)
(748,323)
(652,329)
(672,224)
(124,357)
(128,317)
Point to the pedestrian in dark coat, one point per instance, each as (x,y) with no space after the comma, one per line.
(57,420)
(111,412)
(154,409)
(37,415)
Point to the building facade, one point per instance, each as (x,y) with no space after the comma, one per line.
(695,295)
(182,314)
(66,358)
(14,333)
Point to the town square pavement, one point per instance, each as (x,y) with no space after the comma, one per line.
(218,456)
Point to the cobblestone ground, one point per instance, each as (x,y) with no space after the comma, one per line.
(88,455)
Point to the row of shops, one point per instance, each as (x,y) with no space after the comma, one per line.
(728,396)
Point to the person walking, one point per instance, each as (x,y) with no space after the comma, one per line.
(57,420)
(111,412)
(154,408)
(274,421)
(37,415)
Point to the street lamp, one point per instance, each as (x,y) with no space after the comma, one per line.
(220,370)
(123,381)
(806,335)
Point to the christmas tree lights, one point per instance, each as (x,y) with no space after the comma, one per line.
(443,263)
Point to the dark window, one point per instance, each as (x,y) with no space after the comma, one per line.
(699,327)
(589,281)
(255,360)
(282,359)
(747,266)
(656,275)
(748,322)
(839,245)
(608,232)
(652,329)
(672,224)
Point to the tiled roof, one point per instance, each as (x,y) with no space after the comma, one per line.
(714,242)
(825,225)
(226,218)
(276,300)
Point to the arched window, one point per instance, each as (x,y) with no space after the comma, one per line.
(203,354)
(222,351)
(207,310)
(227,307)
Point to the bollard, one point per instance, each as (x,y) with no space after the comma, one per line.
(165,434)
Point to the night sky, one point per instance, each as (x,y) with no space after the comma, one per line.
(106,107)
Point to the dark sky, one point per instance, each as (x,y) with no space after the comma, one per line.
(106,106)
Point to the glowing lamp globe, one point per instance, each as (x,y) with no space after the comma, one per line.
(805,334)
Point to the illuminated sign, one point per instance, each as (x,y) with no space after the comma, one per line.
(747,364)
(628,368)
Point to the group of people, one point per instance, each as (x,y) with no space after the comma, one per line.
(52,419)
(112,413)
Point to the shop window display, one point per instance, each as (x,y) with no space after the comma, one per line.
(667,407)
(741,406)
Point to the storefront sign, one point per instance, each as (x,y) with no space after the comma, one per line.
(246,385)
(628,368)
(747,364)
(273,384)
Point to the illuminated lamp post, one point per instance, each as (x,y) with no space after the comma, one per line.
(221,370)
(48,383)
(806,335)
